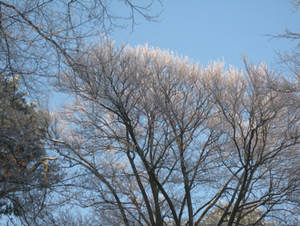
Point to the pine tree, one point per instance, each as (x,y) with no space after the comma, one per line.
(22,129)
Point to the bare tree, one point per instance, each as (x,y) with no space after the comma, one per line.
(38,37)
(137,114)
(259,146)
(154,139)
(290,60)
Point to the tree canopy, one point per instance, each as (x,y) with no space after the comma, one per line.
(39,37)
(162,140)
(147,137)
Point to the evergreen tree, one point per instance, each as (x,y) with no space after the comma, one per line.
(22,129)
(248,217)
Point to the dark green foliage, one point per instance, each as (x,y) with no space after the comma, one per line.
(252,217)
(22,130)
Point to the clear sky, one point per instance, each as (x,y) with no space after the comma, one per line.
(211,30)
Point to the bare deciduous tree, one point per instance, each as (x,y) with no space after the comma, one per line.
(154,139)
(290,60)
(260,143)
(38,37)
(141,117)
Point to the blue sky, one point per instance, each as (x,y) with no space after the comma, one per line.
(211,30)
